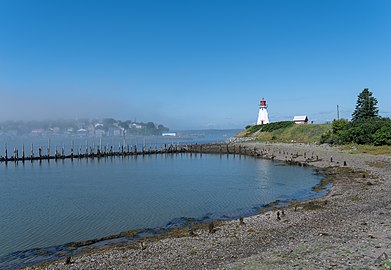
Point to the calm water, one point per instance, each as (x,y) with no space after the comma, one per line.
(54,203)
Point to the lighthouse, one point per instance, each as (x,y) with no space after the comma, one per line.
(263,117)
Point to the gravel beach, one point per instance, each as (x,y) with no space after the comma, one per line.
(350,228)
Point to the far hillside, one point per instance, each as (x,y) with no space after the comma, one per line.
(286,131)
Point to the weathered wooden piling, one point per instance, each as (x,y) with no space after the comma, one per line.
(48,147)
(32,151)
(5,152)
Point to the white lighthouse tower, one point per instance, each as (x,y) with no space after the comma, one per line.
(263,117)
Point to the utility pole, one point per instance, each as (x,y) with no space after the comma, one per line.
(337,112)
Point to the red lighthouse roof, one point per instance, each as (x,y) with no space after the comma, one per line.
(263,103)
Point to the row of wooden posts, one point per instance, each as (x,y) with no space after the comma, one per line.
(126,150)
(123,150)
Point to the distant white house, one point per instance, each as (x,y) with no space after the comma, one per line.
(37,131)
(134,125)
(82,132)
(302,119)
(169,134)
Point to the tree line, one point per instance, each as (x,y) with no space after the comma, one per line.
(365,127)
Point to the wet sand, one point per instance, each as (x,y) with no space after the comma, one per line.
(350,228)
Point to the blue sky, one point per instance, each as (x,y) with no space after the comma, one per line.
(192,64)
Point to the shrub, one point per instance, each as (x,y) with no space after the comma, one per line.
(374,131)
(276,125)
(254,128)
(383,136)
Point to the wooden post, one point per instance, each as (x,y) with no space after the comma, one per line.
(48,148)
(22,151)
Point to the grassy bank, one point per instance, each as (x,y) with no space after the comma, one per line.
(368,149)
(309,133)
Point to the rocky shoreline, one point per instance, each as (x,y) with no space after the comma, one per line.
(349,228)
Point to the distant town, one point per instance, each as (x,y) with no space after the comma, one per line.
(81,128)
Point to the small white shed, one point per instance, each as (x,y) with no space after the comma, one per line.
(302,119)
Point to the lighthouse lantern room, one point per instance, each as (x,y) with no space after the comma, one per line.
(263,117)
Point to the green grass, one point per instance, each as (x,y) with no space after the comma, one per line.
(368,149)
(287,132)
(284,132)
(387,264)
(265,128)
(354,198)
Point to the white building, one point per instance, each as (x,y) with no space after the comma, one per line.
(134,125)
(302,119)
(169,134)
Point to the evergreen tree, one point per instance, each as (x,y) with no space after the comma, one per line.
(365,107)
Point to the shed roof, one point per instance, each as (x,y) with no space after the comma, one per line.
(300,118)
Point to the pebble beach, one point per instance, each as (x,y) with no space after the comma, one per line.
(349,228)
